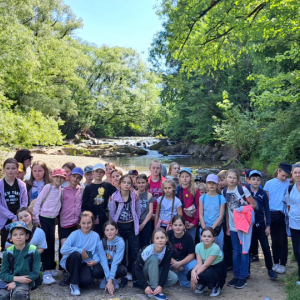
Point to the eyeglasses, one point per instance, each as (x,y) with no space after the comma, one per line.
(28,157)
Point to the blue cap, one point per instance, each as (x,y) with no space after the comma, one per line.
(88,169)
(188,170)
(255,172)
(17,224)
(99,166)
(78,171)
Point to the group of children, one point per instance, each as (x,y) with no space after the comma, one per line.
(141,228)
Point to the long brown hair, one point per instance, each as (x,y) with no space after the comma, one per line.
(46,173)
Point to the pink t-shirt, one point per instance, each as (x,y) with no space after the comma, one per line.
(155,190)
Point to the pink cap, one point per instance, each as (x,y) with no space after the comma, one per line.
(59,172)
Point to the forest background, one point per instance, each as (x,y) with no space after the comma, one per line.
(220,70)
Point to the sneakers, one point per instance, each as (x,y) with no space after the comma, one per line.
(102,284)
(75,291)
(200,289)
(272,275)
(66,280)
(215,292)
(116,283)
(240,284)
(160,296)
(254,258)
(48,279)
(281,269)
(232,282)
(129,276)
(54,273)
(275,267)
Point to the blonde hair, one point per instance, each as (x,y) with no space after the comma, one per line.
(234,171)
(171,167)
(158,162)
(202,186)
(192,188)
(222,174)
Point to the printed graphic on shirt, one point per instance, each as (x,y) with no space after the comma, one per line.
(111,248)
(177,247)
(143,203)
(99,198)
(233,201)
(156,192)
(34,195)
(12,197)
(126,214)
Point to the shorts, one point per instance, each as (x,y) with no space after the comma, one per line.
(65,232)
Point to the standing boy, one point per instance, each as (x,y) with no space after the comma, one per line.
(88,175)
(261,228)
(21,263)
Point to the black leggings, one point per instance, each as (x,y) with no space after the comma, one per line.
(80,273)
(295,235)
(120,273)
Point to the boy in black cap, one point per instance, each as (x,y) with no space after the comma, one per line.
(21,264)
(276,189)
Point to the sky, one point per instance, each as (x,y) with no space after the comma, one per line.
(124,23)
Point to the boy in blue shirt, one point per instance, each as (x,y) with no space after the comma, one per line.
(261,228)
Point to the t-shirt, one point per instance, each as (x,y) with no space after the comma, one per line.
(12,196)
(293,200)
(149,250)
(38,239)
(213,250)
(36,189)
(182,247)
(95,198)
(211,208)
(166,208)
(276,189)
(145,205)
(235,200)
(126,213)
(156,191)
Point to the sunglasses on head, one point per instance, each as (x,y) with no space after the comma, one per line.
(296,165)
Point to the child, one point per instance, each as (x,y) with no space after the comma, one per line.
(13,196)
(21,276)
(96,196)
(189,197)
(276,189)
(25,157)
(133,174)
(173,173)
(168,205)
(222,180)
(261,229)
(152,267)
(21,171)
(88,175)
(114,247)
(38,179)
(247,177)
(212,209)
(68,167)
(202,188)
(115,178)
(71,205)
(155,180)
(236,197)
(38,238)
(183,257)
(109,167)
(125,210)
(210,270)
(197,181)
(45,210)
(81,254)
(146,202)
(293,202)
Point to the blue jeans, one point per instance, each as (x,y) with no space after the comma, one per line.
(240,260)
(182,274)
(219,240)
(192,232)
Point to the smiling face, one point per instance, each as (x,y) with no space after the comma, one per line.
(222,183)
(296,174)
(19,236)
(86,224)
(142,185)
(25,217)
(178,227)
(232,179)
(108,170)
(111,232)
(38,172)
(75,180)
(160,239)
(58,180)
(207,237)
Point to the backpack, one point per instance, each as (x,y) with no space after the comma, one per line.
(30,256)
(240,190)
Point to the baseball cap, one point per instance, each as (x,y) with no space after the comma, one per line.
(78,171)
(255,172)
(88,169)
(133,172)
(20,167)
(59,172)
(212,178)
(188,170)
(98,166)
(198,178)
(247,173)
(18,224)
(286,167)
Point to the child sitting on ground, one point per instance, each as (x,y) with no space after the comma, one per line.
(20,277)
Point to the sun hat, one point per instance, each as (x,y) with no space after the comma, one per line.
(59,172)
(88,169)
(99,166)
(17,224)
(255,172)
(212,178)
(188,170)
(78,171)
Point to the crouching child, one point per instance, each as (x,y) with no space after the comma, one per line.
(21,259)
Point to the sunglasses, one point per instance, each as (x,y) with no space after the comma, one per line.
(28,157)
(296,165)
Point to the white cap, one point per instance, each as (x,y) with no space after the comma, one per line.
(99,166)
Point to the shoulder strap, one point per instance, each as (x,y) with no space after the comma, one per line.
(104,243)
(224,192)
(33,231)
(62,196)
(177,191)
(11,259)
(241,192)
(290,188)
(149,196)
(182,196)
(46,195)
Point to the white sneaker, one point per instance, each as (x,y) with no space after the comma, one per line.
(54,273)
(48,279)
(200,289)
(275,267)
(129,276)
(215,292)
(281,269)
(75,291)
(102,285)
(116,283)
